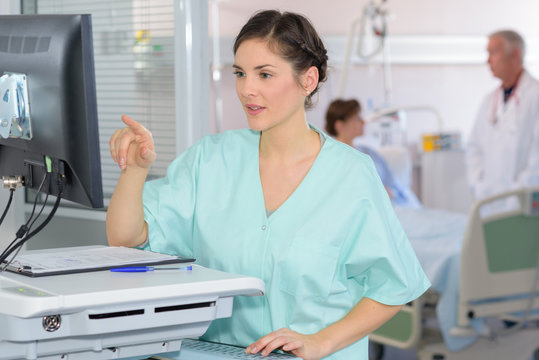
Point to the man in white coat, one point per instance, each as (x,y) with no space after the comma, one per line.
(503,150)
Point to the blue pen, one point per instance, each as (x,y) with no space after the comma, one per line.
(148,268)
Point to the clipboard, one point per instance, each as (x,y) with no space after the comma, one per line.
(87,259)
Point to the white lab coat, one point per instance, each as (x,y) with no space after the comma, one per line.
(503,149)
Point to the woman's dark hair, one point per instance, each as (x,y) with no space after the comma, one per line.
(340,110)
(293,37)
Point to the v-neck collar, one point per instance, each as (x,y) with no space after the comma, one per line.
(297,191)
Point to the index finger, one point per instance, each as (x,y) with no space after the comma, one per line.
(136,127)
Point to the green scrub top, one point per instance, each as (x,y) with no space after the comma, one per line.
(335,240)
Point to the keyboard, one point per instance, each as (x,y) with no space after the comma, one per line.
(205,350)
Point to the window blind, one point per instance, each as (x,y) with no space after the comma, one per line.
(134,70)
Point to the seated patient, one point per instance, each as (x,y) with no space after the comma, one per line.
(344,123)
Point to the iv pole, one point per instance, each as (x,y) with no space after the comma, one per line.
(373,13)
(375,16)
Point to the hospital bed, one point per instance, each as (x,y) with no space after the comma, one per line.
(111,315)
(483,269)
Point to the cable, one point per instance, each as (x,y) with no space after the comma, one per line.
(11,191)
(40,211)
(23,230)
(29,227)
(31,234)
(10,261)
(37,197)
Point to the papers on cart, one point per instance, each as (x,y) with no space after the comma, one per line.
(85,259)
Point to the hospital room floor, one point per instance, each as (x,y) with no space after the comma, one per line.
(399,354)
(391,353)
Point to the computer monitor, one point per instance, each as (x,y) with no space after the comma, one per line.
(47,68)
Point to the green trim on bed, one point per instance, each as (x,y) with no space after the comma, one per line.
(512,243)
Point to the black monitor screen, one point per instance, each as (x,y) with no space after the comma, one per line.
(53,55)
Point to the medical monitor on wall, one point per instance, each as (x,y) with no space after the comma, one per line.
(48,106)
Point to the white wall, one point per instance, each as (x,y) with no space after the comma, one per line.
(437,50)
(453,82)
(411,17)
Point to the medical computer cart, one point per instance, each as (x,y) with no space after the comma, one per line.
(110,315)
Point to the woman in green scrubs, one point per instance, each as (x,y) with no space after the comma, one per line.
(280,201)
